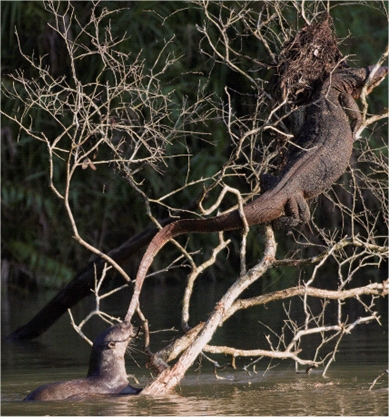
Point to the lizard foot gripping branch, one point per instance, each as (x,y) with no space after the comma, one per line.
(321,155)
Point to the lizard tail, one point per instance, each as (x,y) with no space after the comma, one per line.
(229,221)
(261,210)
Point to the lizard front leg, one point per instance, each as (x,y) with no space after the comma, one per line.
(350,107)
(296,212)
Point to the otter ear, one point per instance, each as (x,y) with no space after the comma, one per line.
(111,345)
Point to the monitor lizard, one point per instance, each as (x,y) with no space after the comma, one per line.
(321,153)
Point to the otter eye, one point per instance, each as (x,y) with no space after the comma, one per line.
(111,345)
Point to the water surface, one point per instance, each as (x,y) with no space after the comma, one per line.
(60,354)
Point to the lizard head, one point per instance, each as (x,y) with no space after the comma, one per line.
(369,76)
(376,75)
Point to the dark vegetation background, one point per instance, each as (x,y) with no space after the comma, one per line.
(37,246)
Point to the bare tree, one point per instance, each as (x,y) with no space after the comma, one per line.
(125,119)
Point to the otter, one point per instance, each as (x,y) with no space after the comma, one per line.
(106,374)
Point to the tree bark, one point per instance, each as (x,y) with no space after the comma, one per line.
(171,377)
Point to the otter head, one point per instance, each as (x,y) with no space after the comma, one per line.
(109,348)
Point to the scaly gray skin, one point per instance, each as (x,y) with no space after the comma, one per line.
(107,373)
(321,155)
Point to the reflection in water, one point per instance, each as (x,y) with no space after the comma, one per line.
(60,354)
(274,394)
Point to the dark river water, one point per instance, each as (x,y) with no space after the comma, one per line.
(60,354)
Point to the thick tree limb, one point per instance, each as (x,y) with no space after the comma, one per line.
(170,378)
(83,283)
(174,349)
(80,286)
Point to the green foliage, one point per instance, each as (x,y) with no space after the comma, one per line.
(36,230)
(44,267)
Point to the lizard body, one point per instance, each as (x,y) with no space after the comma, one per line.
(320,155)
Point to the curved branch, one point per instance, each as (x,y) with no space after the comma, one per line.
(371,289)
